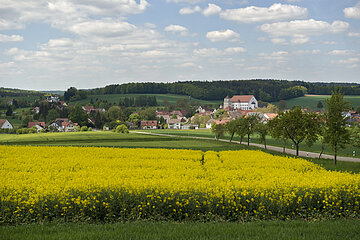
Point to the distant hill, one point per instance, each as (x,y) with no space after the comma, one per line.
(267,90)
(11,92)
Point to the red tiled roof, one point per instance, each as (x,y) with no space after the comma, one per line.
(31,124)
(2,121)
(148,123)
(241,98)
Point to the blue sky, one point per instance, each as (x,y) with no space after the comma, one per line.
(55,44)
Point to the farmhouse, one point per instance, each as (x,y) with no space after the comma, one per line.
(242,102)
(32,124)
(5,124)
(148,124)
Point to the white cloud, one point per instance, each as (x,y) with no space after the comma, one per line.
(188,10)
(341,52)
(212,9)
(307,52)
(11,38)
(352,12)
(349,61)
(212,52)
(305,27)
(300,39)
(185,1)
(232,50)
(177,29)
(102,28)
(254,14)
(276,56)
(226,35)
(354,34)
(279,41)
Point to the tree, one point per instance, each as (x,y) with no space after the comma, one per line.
(219,114)
(263,130)
(9,111)
(336,134)
(241,128)
(52,115)
(218,129)
(122,129)
(115,113)
(357,109)
(296,125)
(250,124)
(231,128)
(319,104)
(78,115)
(134,118)
(355,136)
(282,104)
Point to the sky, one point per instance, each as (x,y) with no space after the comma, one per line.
(56,44)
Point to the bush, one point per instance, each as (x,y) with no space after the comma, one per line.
(90,129)
(122,129)
(83,128)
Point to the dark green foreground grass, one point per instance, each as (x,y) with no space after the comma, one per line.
(344,229)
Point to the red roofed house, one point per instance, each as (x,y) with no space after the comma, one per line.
(4,123)
(148,124)
(88,109)
(31,124)
(243,102)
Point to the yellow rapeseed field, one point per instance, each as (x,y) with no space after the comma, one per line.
(117,184)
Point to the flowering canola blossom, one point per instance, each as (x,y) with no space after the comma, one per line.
(119,184)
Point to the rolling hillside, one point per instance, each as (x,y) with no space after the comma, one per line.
(312,100)
(171,98)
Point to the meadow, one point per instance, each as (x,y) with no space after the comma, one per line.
(316,147)
(170,98)
(312,101)
(73,184)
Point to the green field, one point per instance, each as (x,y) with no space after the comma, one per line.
(111,139)
(171,98)
(163,230)
(347,152)
(312,100)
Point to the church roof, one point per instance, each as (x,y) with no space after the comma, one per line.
(241,98)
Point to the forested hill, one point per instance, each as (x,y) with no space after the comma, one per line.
(265,90)
(10,92)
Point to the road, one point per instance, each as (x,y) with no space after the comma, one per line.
(273,148)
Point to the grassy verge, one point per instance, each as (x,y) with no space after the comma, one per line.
(344,229)
(347,152)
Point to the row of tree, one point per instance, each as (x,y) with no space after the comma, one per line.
(265,90)
(299,126)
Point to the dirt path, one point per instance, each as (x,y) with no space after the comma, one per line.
(273,148)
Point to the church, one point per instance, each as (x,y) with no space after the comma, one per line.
(241,102)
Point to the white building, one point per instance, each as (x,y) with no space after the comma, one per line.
(4,123)
(242,102)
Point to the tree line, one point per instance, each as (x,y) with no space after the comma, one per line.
(299,126)
(267,90)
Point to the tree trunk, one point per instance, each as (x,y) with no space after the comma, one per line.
(297,149)
(322,150)
(265,142)
(335,155)
(284,146)
(248,139)
(241,139)
(232,135)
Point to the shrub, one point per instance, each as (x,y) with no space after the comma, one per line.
(122,129)
(83,128)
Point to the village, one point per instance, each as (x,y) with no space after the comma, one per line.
(204,117)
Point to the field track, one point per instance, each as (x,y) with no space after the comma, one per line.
(273,148)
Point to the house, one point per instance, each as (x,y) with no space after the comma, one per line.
(148,125)
(36,110)
(69,126)
(243,102)
(55,127)
(5,124)
(174,124)
(88,109)
(209,123)
(166,117)
(32,124)
(53,99)
(204,109)
(176,113)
